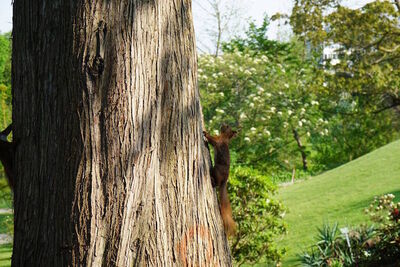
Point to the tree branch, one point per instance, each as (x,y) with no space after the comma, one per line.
(395,104)
(388,50)
(397,3)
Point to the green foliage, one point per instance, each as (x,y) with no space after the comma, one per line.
(257,41)
(5,100)
(5,80)
(360,92)
(258,215)
(307,19)
(367,43)
(351,137)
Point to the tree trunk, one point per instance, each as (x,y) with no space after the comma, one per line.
(301,148)
(111,167)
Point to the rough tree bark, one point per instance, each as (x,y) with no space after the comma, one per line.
(111,167)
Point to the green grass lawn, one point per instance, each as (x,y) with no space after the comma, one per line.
(5,255)
(6,249)
(339,195)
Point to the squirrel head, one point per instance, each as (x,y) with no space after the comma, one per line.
(227,131)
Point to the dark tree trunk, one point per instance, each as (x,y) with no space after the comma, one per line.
(111,167)
(301,149)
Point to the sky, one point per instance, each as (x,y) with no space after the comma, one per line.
(249,8)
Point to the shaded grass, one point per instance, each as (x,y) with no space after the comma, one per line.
(339,195)
(5,255)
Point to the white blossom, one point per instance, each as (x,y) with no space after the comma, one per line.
(219,110)
(253,129)
(247,139)
(300,123)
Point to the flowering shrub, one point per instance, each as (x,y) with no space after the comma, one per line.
(267,99)
(385,247)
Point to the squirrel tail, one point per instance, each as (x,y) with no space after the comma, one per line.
(226,210)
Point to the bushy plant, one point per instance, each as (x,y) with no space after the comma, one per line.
(385,247)
(258,215)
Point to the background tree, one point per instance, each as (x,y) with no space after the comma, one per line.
(361,89)
(5,107)
(111,167)
(220,19)
(368,47)
(265,88)
(5,80)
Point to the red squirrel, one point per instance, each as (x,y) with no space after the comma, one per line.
(220,173)
(7,155)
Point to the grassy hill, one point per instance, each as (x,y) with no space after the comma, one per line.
(339,195)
